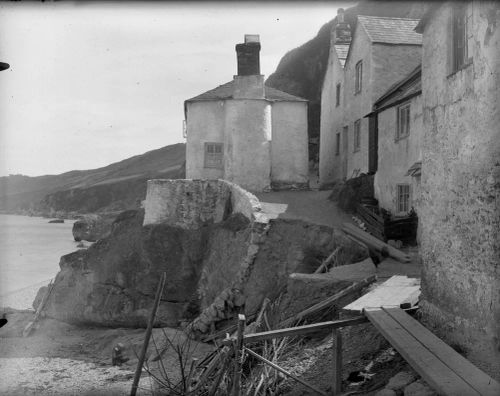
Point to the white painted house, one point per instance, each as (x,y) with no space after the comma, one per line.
(397,116)
(247,133)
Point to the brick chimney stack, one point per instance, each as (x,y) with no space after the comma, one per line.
(249,83)
(341,33)
(248,56)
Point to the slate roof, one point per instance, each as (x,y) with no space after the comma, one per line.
(391,30)
(404,89)
(225,91)
(342,51)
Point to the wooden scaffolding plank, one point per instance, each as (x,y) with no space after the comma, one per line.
(479,380)
(437,374)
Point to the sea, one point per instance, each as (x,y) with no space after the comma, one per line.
(30,249)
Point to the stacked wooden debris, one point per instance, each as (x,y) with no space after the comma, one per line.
(382,225)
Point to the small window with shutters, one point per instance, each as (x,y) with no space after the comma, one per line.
(214,155)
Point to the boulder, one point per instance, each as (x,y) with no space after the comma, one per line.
(113,282)
(92,227)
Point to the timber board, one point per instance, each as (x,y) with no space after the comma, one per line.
(436,373)
(479,380)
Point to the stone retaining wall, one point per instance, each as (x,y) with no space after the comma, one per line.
(190,203)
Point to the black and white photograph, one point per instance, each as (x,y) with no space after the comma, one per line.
(250,198)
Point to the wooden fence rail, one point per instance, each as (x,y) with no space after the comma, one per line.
(240,342)
(299,330)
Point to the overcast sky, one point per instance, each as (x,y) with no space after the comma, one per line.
(92,83)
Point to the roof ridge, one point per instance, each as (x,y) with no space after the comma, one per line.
(387,17)
(224,91)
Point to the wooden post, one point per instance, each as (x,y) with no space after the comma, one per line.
(238,356)
(149,330)
(337,362)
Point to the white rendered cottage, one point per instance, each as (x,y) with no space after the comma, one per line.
(247,133)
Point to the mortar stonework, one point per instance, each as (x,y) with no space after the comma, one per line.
(191,203)
(460,208)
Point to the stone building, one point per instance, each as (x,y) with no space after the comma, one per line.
(247,133)
(331,100)
(383,50)
(397,118)
(460,209)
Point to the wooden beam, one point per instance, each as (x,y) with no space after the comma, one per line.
(30,327)
(142,355)
(281,370)
(298,330)
(479,380)
(436,373)
(330,300)
(374,243)
(337,362)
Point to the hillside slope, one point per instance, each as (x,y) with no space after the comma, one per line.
(116,187)
(301,71)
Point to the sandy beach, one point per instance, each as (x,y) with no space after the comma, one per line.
(63,359)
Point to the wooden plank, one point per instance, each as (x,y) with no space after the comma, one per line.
(373,242)
(395,291)
(479,380)
(142,355)
(330,300)
(281,370)
(369,212)
(437,374)
(30,327)
(298,330)
(337,362)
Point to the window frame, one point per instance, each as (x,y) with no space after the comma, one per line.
(406,133)
(358,83)
(210,158)
(337,94)
(400,204)
(337,142)
(460,37)
(357,136)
